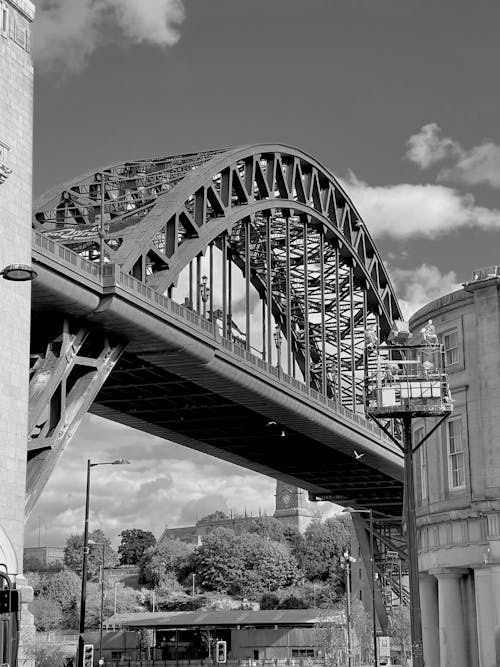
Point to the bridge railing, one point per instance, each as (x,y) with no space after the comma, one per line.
(110,275)
(61,252)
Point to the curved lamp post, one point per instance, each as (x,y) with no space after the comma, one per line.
(81,638)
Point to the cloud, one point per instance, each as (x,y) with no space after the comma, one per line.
(405,210)
(67,32)
(429,146)
(416,287)
(479,165)
(164,484)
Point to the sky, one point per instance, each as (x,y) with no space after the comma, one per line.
(396,97)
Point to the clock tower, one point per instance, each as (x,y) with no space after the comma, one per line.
(292,506)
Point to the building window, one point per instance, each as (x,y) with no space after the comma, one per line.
(302,653)
(450,341)
(456,473)
(419,436)
(20,36)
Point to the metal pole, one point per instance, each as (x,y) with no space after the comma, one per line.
(411,529)
(374,616)
(81,637)
(348,599)
(102,603)
(102,229)
(114,606)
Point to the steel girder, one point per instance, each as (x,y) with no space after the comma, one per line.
(271,212)
(67,371)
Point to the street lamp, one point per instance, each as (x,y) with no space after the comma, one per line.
(345,563)
(18,272)
(204,293)
(81,630)
(369,511)
(277,342)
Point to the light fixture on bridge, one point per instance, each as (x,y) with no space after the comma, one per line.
(277,342)
(18,273)
(204,293)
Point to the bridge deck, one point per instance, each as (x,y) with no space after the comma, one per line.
(180,380)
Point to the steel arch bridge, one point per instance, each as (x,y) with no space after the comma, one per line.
(264,277)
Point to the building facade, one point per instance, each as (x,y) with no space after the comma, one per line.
(457,473)
(16,130)
(16,147)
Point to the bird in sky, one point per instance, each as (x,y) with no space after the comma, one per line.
(357,455)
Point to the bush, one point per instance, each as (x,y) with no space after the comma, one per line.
(269,601)
(45,654)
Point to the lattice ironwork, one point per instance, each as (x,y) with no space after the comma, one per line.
(68,368)
(291,272)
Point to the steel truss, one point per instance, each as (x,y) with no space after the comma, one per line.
(269,213)
(65,376)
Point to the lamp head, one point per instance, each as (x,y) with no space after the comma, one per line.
(18,272)
(120,462)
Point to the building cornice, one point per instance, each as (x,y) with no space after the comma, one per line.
(25,7)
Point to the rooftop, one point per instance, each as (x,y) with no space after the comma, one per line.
(178,619)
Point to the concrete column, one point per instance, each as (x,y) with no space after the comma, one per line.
(452,643)
(486,620)
(430,619)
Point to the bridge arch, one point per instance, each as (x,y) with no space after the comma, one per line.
(273,212)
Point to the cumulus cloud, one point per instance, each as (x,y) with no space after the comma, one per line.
(416,287)
(405,210)
(429,146)
(164,484)
(67,32)
(478,165)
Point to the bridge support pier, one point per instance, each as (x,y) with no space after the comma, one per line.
(71,365)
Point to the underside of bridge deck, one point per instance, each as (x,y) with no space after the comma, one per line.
(149,398)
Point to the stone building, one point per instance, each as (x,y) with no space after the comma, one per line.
(458,483)
(16,147)
(291,507)
(16,131)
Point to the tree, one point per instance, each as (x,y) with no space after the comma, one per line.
(47,613)
(73,553)
(134,544)
(163,561)
(218,562)
(323,545)
(401,628)
(270,563)
(63,587)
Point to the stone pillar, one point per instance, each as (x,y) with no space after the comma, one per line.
(16,131)
(430,619)
(452,644)
(486,620)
